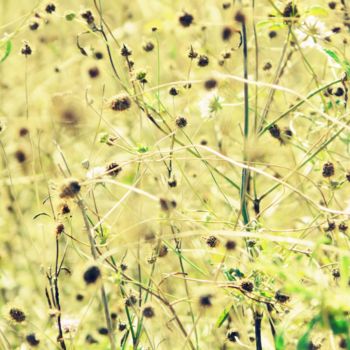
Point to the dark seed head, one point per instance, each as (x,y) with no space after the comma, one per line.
(173,91)
(23,132)
(212,241)
(148,312)
(125,51)
(70,190)
(272,34)
(50,8)
(90,339)
(98,55)
(123,267)
(89,18)
(20,156)
(339,92)
(281,297)
(121,327)
(348,176)
(205,300)
(226,5)
(336,273)
(92,274)
(247,285)
(203,61)
(113,169)
(121,103)
(163,251)
(65,209)
(26,50)
(94,72)
(59,229)
(34,26)
(336,30)
(17,315)
(267,66)
(166,205)
(275,131)
(239,17)
(186,19)
(148,47)
(192,54)
(210,84)
(230,245)
(103,331)
(332,5)
(290,10)
(79,297)
(32,340)
(343,343)
(131,300)
(114,316)
(226,33)
(181,122)
(328,169)
(287,132)
(343,227)
(331,226)
(232,335)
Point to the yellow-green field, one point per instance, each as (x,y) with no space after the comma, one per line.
(174,174)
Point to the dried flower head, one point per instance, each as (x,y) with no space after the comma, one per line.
(148,312)
(205,300)
(181,122)
(232,335)
(50,8)
(70,189)
(203,61)
(281,297)
(32,340)
(121,102)
(113,169)
(212,241)
(328,169)
(26,50)
(247,285)
(148,47)
(186,19)
(92,274)
(17,315)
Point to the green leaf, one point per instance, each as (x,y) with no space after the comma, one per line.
(70,16)
(345,64)
(318,11)
(339,324)
(223,317)
(303,343)
(279,342)
(8,49)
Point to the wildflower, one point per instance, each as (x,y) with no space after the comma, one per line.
(232,335)
(310,31)
(210,104)
(148,312)
(92,274)
(186,19)
(121,103)
(69,325)
(32,340)
(328,169)
(181,122)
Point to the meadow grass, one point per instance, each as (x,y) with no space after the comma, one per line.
(174,174)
